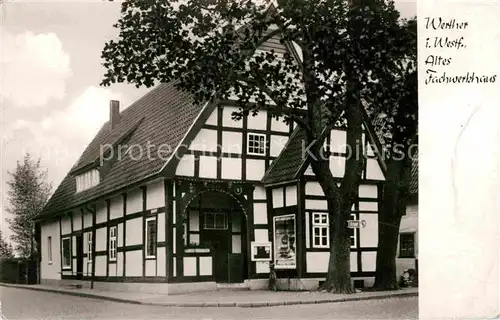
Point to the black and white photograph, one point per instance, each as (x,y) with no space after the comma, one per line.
(210,159)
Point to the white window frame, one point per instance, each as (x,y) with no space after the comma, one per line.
(89,246)
(148,256)
(322,227)
(66,266)
(355,245)
(113,238)
(260,135)
(49,249)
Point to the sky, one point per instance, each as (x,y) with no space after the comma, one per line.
(51,104)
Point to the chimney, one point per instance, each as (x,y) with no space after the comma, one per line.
(114,113)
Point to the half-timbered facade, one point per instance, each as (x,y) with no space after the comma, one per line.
(181,197)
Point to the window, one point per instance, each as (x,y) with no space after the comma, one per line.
(66,250)
(150,237)
(89,246)
(256,144)
(112,243)
(87,180)
(49,249)
(407,245)
(352,232)
(215,220)
(320,230)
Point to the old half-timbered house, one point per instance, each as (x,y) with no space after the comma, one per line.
(181,197)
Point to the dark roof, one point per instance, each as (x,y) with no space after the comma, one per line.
(289,162)
(161,117)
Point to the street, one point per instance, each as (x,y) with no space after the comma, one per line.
(28,304)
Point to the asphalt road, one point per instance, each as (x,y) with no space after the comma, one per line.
(28,304)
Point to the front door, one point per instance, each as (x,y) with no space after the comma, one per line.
(219,241)
(79,257)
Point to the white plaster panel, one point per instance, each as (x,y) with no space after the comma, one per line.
(262,267)
(134,201)
(276,145)
(258,122)
(368,206)
(160,266)
(278,198)
(194,221)
(373,171)
(368,191)
(155,195)
(259,213)
(353,260)
(208,167)
(150,266)
(134,232)
(232,142)
(236,243)
(74,265)
(65,225)
(205,266)
(73,246)
(255,169)
(368,261)
(185,166)
(291,196)
(101,212)
(308,241)
(309,171)
(100,241)
(194,238)
(77,220)
(189,266)
(205,140)
(338,141)
(314,189)
(174,237)
(212,119)
(337,166)
(100,266)
(116,207)
(317,261)
(231,168)
(112,270)
(259,193)
(50,270)
(370,150)
(261,235)
(119,263)
(279,125)
(226,118)
(161,227)
(174,260)
(134,263)
(87,219)
(369,234)
(173,211)
(119,241)
(316,204)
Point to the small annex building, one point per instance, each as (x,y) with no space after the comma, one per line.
(184,198)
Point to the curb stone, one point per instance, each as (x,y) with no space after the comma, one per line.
(216,304)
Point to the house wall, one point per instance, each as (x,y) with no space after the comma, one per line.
(409,224)
(50,269)
(126,211)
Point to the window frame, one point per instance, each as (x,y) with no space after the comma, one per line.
(89,247)
(215,214)
(400,251)
(49,249)
(260,135)
(146,235)
(320,226)
(354,232)
(113,239)
(63,258)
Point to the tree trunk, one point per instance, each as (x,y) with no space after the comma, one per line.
(393,206)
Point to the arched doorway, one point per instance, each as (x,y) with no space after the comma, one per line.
(217,220)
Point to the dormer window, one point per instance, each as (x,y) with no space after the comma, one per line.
(87,180)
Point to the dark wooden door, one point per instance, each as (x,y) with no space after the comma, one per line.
(79,257)
(219,240)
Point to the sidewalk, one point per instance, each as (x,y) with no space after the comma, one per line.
(222,298)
